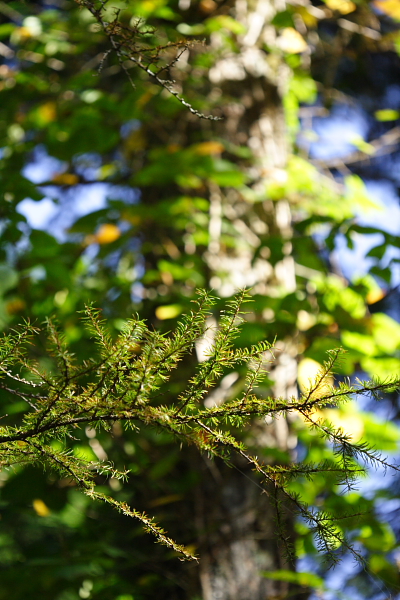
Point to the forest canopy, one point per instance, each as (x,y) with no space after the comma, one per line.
(151,149)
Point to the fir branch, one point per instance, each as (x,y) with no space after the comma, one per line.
(127,43)
(149,525)
(125,386)
(345,448)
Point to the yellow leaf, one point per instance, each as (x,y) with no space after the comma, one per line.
(172,148)
(389,7)
(362,145)
(207,6)
(305,320)
(291,41)
(168,312)
(166,500)
(167,278)
(24,33)
(31,28)
(65,179)
(208,148)
(40,508)
(107,171)
(351,423)
(107,234)
(148,6)
(309,19)
(171,248)
(135,141)
(15,306)
(375,295)
(387,114)
(47,113)
(343,6)
(307,375)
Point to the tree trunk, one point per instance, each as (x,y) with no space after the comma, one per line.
(236,519)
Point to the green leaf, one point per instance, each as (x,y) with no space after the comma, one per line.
(224,22)
(8,278)
(304,87)
(380,367)
(44,245)
(357,195)
(304,578)
(386,332)
(378,251)
(229,178)
(283,19)
(382,435)
(363,343)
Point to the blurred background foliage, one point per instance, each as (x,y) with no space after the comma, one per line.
(106,196)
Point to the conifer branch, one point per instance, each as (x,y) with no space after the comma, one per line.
(127,42)
(123,381)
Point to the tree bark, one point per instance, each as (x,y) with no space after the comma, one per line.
(236,519)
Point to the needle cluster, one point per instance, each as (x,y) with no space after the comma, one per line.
(123,382)
(131,45)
